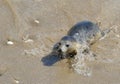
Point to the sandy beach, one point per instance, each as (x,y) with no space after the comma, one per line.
(30,28)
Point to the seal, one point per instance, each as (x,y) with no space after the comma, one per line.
(81,35)
(75,46)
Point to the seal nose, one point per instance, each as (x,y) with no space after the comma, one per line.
(60,50)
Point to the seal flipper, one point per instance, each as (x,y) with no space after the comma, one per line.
(104,33)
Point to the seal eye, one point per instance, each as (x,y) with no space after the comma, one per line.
(59,43)
(67,45)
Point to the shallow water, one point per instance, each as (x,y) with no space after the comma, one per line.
(34,26)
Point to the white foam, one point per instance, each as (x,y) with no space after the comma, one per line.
(79,65)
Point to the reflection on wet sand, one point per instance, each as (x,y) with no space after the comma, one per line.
(50,59)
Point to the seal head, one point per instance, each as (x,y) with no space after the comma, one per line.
(66,47)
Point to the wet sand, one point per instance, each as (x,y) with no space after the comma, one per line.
(34,26)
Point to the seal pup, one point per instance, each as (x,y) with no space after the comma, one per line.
(75,46)
(83,34)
